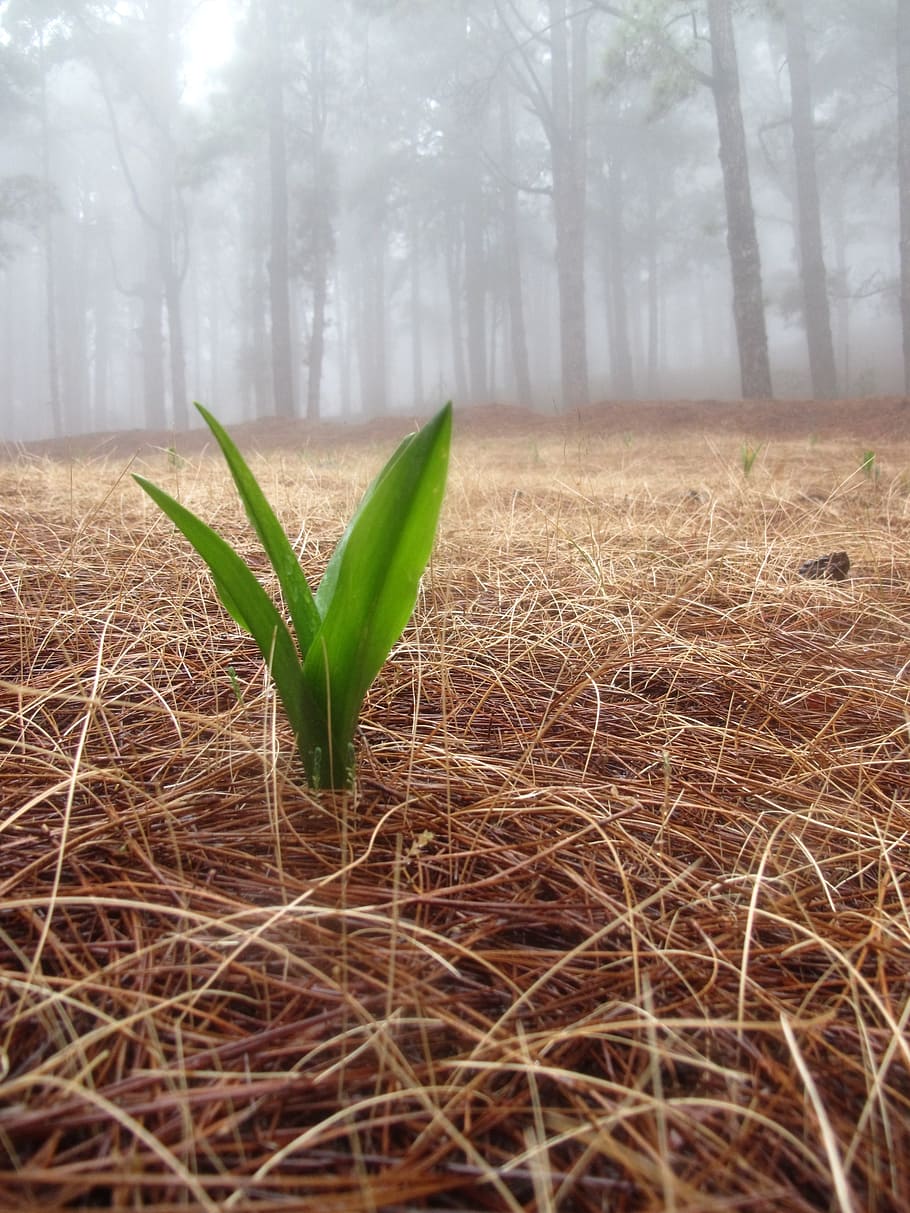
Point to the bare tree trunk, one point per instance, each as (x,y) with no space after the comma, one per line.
(842,293)
(171,239)
(172,274)
(742,241)
(623,384)
(71,254)
(380,326)
(343,310)
(102,314)
(256,295)
(654,328)
(50,267)
(173,303)
(568,137)
(493,339)
(811,253)
(475,289)
(416,304)
(903,172)
(323,193)
(512,256)
(374,388)
(316,356)
(279,269)
(169,245)
(453,259)
(159,93)
(219,363)
(152,347)
(322,242)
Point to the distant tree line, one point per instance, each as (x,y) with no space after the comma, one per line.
(377,204)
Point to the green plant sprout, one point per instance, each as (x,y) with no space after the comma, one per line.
(869,467)
(344,632)
(748,455)
(235,684)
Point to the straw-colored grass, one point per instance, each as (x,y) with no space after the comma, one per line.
(616,919)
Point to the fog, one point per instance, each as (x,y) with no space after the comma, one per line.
(303,208)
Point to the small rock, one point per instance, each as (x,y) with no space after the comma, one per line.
(836,566)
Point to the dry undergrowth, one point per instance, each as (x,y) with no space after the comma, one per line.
(617,918)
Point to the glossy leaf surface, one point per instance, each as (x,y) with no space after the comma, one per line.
(365,599)
(294,586)
(370,586)
(245,600)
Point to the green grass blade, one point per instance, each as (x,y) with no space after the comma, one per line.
(370,586)
(236,583)
(294,587)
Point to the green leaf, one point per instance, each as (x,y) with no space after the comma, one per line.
(247,602)
(294,587)
(370,586)
(365,599)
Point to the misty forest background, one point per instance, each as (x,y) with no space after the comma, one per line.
(374,205)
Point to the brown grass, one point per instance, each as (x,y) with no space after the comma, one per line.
(617,918)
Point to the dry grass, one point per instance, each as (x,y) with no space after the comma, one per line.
(617,918)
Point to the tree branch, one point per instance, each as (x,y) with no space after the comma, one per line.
(666,44)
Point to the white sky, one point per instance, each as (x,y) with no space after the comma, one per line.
(209,42)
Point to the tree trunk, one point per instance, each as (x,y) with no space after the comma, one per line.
(453,260)
(322,245)
(173,304)
(159,93)
(742,241)
(72,253)
(171,240)
(260,395)
(414,251)
(222,369)
(316,356)
(475,291)
(518,340)
(343,310)
(841,281)
(811,253)
(50,286)
(102,314)
(373,336)
(172,280)
(323,193)
(152,347)
(623,384)
(279,268)
(568,136)
(380,328)
(903,172)
(493,339)
(654,329)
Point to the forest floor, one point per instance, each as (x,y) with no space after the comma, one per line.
(871,418)
(618,914)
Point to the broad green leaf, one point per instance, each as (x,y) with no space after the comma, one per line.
(325,591)
(365,599)
(370,586)
(247,602)
(294,587)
